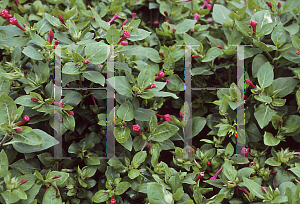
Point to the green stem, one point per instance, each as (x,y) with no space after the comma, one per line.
(269,56)
(1,143)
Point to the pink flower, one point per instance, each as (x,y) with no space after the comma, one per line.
(174,30)
(200,176)
(15,22)
(4,13)
(61,19)
(195,56)
(167,81)
(243,189)
(18,129)
(168,21)
(149,145)
(298,52)
(116,16)
(60,104)
(181,115)
(192,31)
(263,190)
(86,61)
(196,16)
(279,5)
(34,99)
(245,151)
(136,128)
(156,23)
(126,34)
(17,2)
(216,175)
(124,23)
(220,47)
(57,42)
(166,13)
(166,117)
(124,43)
(208,6)
(161,54)
(191,150)
(273,172)
(208,163)
(245,2)
(50,36)
(269,4)
(150,87)
(250,83)
(23,181)
(25,119)
(253,24)
(160,75)
(205,3)
(70,112)
(133,15)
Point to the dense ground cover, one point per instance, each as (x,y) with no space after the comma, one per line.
(151,42)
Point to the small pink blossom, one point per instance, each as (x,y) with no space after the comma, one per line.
(136,128)
(200,176)
(160,75)
(209,6)
(196,16)
(124,43)
(50,37)
(15,22)
(245,151)
(298,52)
(61,19)
(133,15)
(250,83)
(253,24)
(126,34)
(18,129)
(216,175)
(116,16)
(243,189)
(174,30)
(205,3)
(25,119)
(124,23)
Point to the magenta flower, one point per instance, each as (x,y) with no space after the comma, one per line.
(150,87)
(136,128)
(126,34)
(195,56)
(273,172)
(208,6)
(200,176)
(263,190)
(166,13)
(15,22)
(168,21)
(25,119)
(185,0)
(298,52)
(4,13)
(160,75)
(245,151)
(220,47)
(86,61)
(245,2)
(174,30)
(279,5)
(205,3)
(50,36)
(149,145)
(60,104)
(17,2)
(192,31)
(181,115)
(61,19)
(156,23)
(191,150)
(18,129)
(253,24)
(124,23)
(243,189)
(56,43)
(166,117)
(70,112)
(124,43)
(250,83)
(116,16)
(34,99)
(269,4)
(56,176)
(216,175)
(196,16)
(133,15)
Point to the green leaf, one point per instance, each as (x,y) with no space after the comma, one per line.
(212,54)
(265,99)
(49,142)
(289,6)
(157,194)
(7,105)
(164,132)
(121,188)
(69,122)
(60,180)
(98,52)
(125,111)
(185,26)
(243,28)
(263,115)
(254,188)
(220,13)
(50,196)
(270,140)
(286,85)
(30,138)
(198,124)
(296,42)
(132,174)
(295,170)
(142,114)
(229,150)
(272,162)
(100,196)
(139,34)
(266,29)
(52,20)
(3,164)
(94,76)
(122,134)
(29,51)
(72,98)
(112,35)
(138,159)
(263,46)
(265,75)
(229,171)
(118,166)
(278,35)
(176,83)
(145,77)
(122,85)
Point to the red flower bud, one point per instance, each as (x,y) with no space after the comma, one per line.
(273,172)
(56,176)
(15,22)
(57,42)
(298,52)
(25,119)
(86,61)
(279,5)
(149,145)
(18,129)
(124,23)
(174,30)
(124,124)
(263,190)
(34,99)
(124,43)
(192,31)
(23,181)
(160,75)
(76,64)
(161,54)
(253,24)
(250,83)
(181,115)
(200,176)
(25,72)
(50,36)
(47,187)
(70,112)
(86,178)
(243,189)
(195,56)
(116,16)
(126,34)
(269,4)
(61,19)
(133,15)
(216,175)
(166,13)
(208,163)
(280,122)
(220,47)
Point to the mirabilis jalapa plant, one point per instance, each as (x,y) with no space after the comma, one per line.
(152,165)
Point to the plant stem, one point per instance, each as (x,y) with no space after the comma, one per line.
(1,143)
(269,56)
